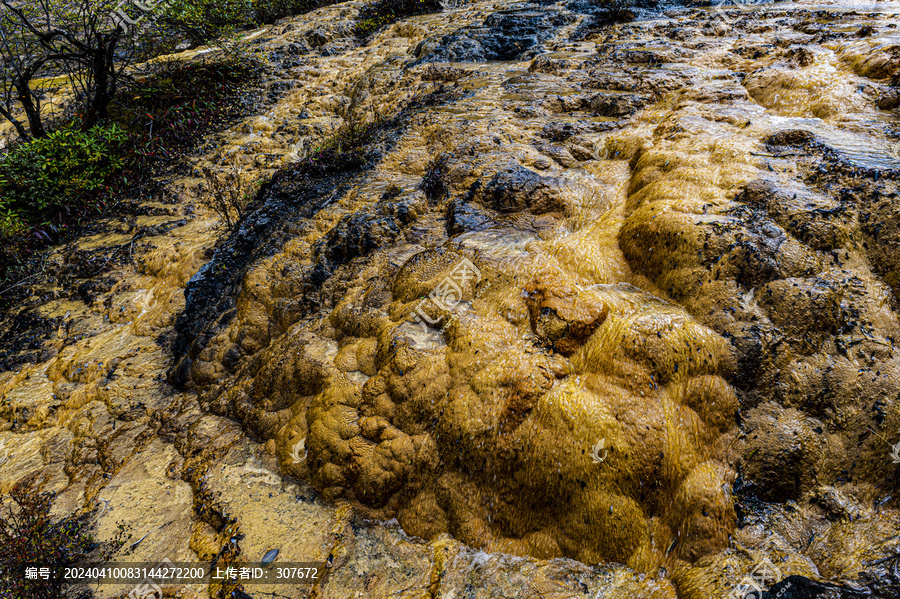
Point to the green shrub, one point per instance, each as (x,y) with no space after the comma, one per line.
(378,14)
(205,20)
(267,11)
(64,170)
(346,149)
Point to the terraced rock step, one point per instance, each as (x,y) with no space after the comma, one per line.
(599,310)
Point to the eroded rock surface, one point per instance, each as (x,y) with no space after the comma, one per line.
(615,294)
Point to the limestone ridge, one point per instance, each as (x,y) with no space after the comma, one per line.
(617,293)
(686,315)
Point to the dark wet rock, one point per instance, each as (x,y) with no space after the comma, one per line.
(520,83)
(818,221)
(801,305)
(558,131)
(602,17)
(279,89)
(515,196)
(140,232)
(882,577)
(683,33)
(338,47)
(545,64)
(361,232)
(887,65)
(612,81)
(616,105)
(581,153)
(754,258)
(568,104)
(441,72)
(715,93)
(783,453)
(790,138)
(810,28)
(800,587)
(504,35)
(434,183)
(518,189)
(561,131)
(755,48)
(879,217)
(636,80)
(854,154)
(640,54)
(560,154)
(867,203)
(90,290)
(23,336)
(787,39)
(802,56)
(837,505)
(290,55)
(889,99)
(318,37)
(463,217)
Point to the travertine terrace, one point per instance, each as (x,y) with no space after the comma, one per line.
(672,357)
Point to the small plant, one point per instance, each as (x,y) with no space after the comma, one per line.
(383,12)
(63,171)
(203,21)
(31,537)
(167,112)
(347,149)
(267,11)
(228,193)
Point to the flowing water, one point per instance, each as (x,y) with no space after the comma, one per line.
(636,340)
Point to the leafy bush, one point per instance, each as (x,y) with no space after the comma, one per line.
(50,185)
(205,20)
(64,170)
(383,12)
(46,185)
(168,112)
(267,11)
(346,149)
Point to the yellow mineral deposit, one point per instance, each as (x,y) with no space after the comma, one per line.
(704,301)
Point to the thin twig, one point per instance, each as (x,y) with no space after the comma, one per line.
(886,559)
(774,155)
(21,282)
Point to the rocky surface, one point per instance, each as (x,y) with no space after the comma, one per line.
(606,310)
